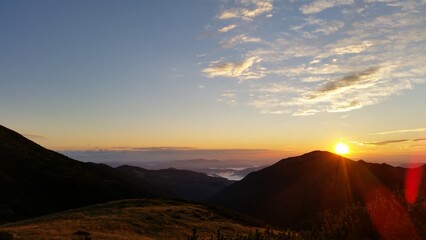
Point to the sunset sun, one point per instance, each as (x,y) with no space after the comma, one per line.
(341,148)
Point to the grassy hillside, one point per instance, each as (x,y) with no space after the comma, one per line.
(134,219)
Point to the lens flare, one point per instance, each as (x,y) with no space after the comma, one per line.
(413,179)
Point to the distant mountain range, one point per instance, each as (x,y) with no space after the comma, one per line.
(36,181)
(230,169)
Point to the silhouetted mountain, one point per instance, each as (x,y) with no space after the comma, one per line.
(185,184)
(296,191)
(36,181)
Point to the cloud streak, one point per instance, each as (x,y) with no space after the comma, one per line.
(354,80)
(320,26)
(250,10)
(156,149)
(320,5)
(400,131)
(227,28)
(240,70)
(386,142)
(239,39)
(229,98)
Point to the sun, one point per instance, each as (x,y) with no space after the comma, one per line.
(341,148)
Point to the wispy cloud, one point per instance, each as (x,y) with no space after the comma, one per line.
(229,98)
(240,70)
(346,48)
(276,88)
(330,27)
(405,5)
(156,149)
(386,142)
(250,9)
(319,26)
(320,5)
(227,28)
(400,131)
(239,39)
(381,1)
(357,80)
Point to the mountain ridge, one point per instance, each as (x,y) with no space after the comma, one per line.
(184,184)
(296,191)
(37,181)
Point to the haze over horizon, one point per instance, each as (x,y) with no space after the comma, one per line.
(239,79)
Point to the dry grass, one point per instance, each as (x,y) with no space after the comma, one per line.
(130,220)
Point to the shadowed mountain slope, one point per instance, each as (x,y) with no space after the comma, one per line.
(296,191)
(36,181)
(184,184)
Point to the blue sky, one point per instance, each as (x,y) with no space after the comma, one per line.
(283,76)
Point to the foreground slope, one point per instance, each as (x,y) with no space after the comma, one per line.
(296,192)
(36,181)
(134,219)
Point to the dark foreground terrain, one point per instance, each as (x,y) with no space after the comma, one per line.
(137,219)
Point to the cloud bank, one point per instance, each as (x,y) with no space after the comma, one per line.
(306,62)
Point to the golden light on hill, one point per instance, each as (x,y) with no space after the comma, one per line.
(341,148)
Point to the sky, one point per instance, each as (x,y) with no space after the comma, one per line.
(226,79)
